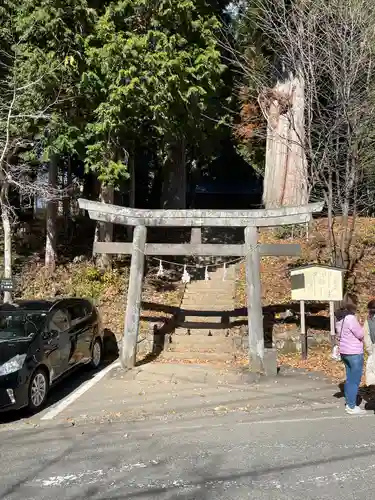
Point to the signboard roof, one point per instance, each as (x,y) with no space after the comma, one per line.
(319,266)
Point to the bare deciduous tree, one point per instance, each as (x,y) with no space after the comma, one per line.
(325,62)
(15,172)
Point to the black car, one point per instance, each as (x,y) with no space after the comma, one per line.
(40,341)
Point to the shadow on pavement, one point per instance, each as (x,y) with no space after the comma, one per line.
(366,394)
(210,481)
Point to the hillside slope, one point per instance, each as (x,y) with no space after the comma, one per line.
(275,271)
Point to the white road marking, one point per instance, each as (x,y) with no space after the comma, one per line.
(154,429)
(78,392)
(90,476)
(168,428)
(303,420)
(286,483)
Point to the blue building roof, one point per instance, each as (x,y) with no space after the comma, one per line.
(244,188)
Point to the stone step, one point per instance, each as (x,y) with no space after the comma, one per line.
(203,356)
(217,296)
(211,282)
(199,349)
(210,293)
(214,316)
(207,304)
(219,271)
(209,285)
(230,276)
(193,350)
(199,325)
(214,280)
(213,307)
(205,317)
(202,340)
(191,343)
(218,331)
(222,285)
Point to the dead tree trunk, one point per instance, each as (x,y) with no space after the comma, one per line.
(7,234)
(285,180)
(330,43)
(51,218)
(174,176)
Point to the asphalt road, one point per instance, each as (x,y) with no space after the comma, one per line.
(273,455)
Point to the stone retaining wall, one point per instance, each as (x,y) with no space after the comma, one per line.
(285,341)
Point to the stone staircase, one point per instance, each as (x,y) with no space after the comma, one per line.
(203,331)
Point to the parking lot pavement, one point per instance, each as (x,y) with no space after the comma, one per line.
(76,383)
(161,391)
(158,391)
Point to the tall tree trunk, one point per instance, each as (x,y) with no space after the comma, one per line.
(285,179)
(156,188)
(104,230)
(7,230)
(67,201)
(276,152)
(296,185)
(131,187)
(68,191)
(174,176)
(91,187)
(51,219)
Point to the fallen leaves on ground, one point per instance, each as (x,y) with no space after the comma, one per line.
(193,361)
(319,360)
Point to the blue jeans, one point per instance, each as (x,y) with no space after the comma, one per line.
(354,367)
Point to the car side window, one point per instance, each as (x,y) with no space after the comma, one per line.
(59,321)
(77,312)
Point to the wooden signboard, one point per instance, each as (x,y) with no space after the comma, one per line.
(317,283)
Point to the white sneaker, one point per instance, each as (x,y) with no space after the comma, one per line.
(355,411)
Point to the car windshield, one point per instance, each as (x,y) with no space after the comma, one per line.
(20,324)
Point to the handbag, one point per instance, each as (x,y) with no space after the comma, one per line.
(336,348)
(336,353)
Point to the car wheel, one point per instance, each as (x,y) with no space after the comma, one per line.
(96,354)
(38,390)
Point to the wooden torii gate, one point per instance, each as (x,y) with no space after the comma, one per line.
(250,220)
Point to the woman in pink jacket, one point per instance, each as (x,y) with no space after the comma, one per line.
(350,335)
